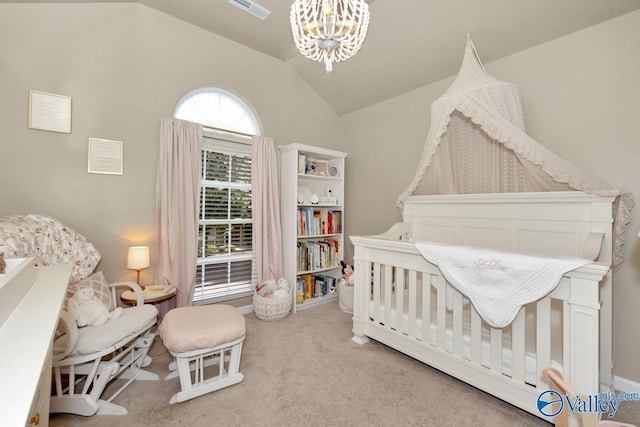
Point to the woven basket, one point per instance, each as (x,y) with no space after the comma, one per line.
(270,308)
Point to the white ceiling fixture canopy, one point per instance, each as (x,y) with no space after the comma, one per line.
(329,30)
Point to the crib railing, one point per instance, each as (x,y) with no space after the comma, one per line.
(402,300)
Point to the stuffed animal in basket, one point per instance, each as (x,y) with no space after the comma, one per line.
(87,310)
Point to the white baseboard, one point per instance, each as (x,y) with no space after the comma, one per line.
(626,385)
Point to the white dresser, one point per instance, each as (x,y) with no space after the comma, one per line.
(26,336)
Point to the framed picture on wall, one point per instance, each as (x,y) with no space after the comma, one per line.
(105,156)
(49,111)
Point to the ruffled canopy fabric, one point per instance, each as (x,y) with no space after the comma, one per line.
(477,143)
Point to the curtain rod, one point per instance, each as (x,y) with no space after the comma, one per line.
(228,131)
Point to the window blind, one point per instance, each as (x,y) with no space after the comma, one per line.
(226,260)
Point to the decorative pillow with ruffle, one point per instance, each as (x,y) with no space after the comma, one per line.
(100,287)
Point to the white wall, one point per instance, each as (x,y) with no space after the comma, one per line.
(580,98)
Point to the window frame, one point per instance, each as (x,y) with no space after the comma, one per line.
(229,137)
(227,144)
(236,107)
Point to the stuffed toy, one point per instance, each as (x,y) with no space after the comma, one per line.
(347,272)
(271,288)
(87,310)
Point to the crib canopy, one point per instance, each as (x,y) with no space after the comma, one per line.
(477,143)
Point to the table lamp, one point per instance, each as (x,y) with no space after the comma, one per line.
(138,259)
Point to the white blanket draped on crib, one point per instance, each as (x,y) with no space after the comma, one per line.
(498,283)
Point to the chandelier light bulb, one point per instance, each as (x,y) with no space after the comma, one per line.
(329,30)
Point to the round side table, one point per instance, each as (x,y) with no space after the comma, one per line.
(152,294)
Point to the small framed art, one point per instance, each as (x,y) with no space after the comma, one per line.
(49,111)
(105,156)
(316,167)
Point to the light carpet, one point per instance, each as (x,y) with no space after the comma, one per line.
(305,371)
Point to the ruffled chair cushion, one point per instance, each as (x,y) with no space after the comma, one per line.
(98,338)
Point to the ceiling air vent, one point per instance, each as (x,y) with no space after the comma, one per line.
(251,7)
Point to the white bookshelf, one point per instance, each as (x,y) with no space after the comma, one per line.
(312,228)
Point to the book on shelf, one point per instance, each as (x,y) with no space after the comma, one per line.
(318,254)
(315,222)
(310,286)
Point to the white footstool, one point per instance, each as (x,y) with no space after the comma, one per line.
(199,337)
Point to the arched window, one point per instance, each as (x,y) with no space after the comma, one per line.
(226,266)
(218,108)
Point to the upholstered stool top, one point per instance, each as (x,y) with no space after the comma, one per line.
(207,326)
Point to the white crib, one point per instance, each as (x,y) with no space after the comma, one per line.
(403,301)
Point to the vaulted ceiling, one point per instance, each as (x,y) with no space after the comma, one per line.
(410,43)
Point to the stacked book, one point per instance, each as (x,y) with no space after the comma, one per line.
(318,254)
(316,222)
(309,286)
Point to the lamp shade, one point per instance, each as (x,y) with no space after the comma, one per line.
(138,257)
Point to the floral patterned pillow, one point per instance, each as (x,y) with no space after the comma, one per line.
(49,242)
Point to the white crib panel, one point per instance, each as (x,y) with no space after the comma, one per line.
(386,289)
(543,336)
(376,290)
(476,337)
(412,284)
(583,342)
(457,323)
(518,346)
(566,337)
(426,305)
(441,313)
(399,287)
(496,350)
(378,273)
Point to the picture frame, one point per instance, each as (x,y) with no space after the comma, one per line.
(105,156)
(49,111)
(310,166)
(316,167)
(322,168)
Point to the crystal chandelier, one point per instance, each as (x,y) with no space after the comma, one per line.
(329,30)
